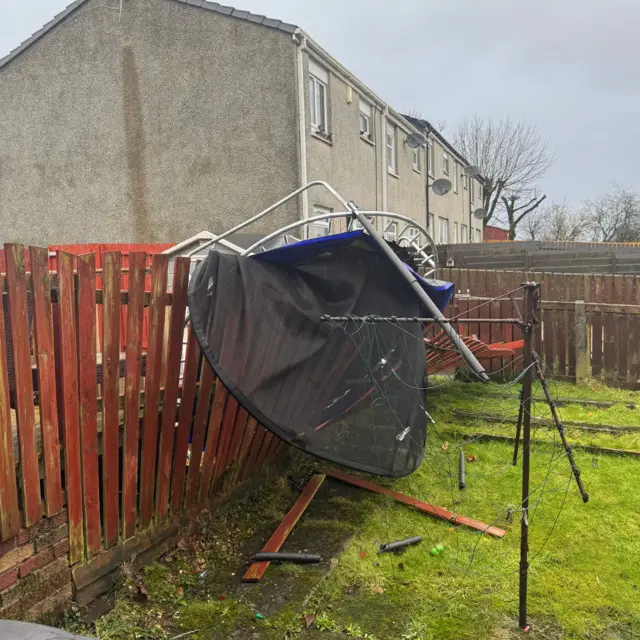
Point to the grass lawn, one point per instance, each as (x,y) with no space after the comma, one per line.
(584,580)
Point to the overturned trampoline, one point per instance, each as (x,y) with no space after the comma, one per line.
(265,319)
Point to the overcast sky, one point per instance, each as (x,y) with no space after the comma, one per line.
(570,66)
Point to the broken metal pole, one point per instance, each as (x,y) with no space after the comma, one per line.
(422,295)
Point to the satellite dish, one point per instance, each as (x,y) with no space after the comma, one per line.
(471,171)
(415,140)
(480,213)
(441,186)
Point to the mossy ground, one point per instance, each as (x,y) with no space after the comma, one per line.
(584,578)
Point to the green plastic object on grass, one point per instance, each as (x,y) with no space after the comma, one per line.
(436,550)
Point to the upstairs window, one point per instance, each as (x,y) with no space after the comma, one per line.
(417,159)
(318,83)
(445,163)
(431,158)
(365,120)
(392,164)
(455,177)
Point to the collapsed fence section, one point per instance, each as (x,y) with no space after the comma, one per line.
(127,435)
(590,324)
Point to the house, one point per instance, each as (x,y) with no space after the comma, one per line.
(148,120)
(451,219)
(495,234)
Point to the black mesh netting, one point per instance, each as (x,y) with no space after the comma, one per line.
(348,392)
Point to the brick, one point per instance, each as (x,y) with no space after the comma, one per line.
(8,578)
(50,538)
(38,561)
(37,586)
(62,548)
(59,519)
(54,603)
(24,536)
(6,546)
(15,557)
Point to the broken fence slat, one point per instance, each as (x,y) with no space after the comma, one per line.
(257,569)
(426,507)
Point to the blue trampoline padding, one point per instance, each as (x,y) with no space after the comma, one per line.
(439,291)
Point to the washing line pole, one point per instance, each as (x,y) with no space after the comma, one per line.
(531,319)
(422,295)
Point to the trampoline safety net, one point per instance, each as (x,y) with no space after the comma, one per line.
(348,392)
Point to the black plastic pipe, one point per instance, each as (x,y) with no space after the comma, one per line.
(400,544)
(462,472)
(299,558)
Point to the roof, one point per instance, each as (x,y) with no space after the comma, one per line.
(203,4)
(425,124)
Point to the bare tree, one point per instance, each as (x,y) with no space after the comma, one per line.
(511,157)
(614,217)
(554,223)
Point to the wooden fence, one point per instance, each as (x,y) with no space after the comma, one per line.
(545,257)
(590,324)
(127,439)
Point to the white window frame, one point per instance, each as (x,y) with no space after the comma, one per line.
(365,116)
(472,188)
(391,146)
(455,233)
(431,158)
(413,233)
(478,235)
(416,159)
(455,177)
(446,167)
(318,100)
(443,230)
(432,225)
(463,234)
(354,225)
(392,231)
(465,181)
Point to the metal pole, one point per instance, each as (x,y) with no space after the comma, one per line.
(518,428)
(428,303)
(560,428)
(530,303)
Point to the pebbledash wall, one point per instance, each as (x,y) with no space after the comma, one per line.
(35,576)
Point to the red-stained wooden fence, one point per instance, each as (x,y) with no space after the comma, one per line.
(127,435)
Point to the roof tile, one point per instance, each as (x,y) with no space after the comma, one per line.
(227,11)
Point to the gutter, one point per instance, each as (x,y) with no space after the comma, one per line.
(301,46)
(383,148)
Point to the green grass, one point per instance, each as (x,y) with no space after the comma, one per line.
(584,579)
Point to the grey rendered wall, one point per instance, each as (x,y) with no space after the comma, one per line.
(347,162)
(169,122)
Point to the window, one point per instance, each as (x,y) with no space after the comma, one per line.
(455,177)
(444,231)
(413,233)
(465,183)
(463,233)
(355,224)
(478,235)
(391,149)
(318,82)
(472,183)
(365,119)
(431,162)
(455,233)
(431,227)
(320,228)
(417,159)
(392,231)
(445,163)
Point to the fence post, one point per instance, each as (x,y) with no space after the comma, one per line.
(583,351)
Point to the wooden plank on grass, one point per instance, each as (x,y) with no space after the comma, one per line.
(69,408)
(45,359)
(171,383)
(274,544)
(110,388)
(133,371)
(159,269)
(88,389)
(426,507)
(9,513)
(25,410)
(213,436)
(199,431)
(189,383)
